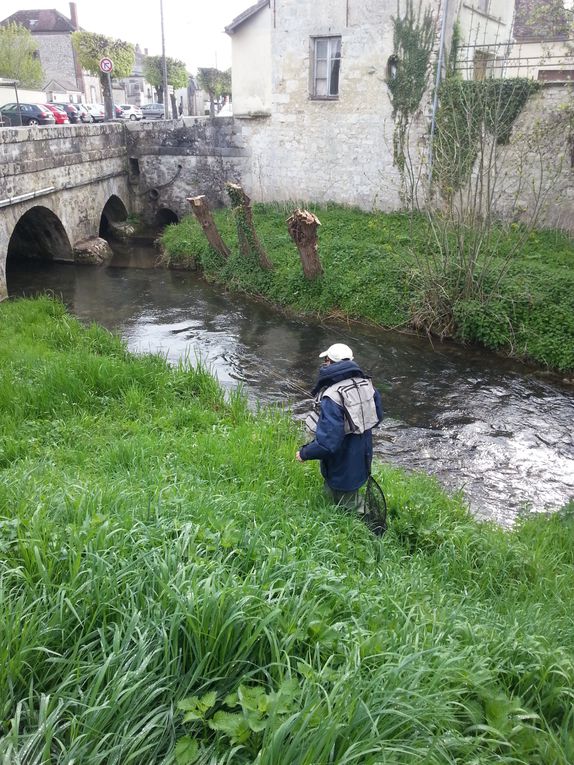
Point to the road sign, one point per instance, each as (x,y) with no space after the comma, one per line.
(106,65)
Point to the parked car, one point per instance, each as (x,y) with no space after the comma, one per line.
(97,112)
(153,111)
(117,110)
(84,113)
(59,114)
(29,114)
(70,110)
(130,112)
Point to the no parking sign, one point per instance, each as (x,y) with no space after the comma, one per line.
(106,65)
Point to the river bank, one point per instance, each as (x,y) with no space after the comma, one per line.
(158,542)
(373,270)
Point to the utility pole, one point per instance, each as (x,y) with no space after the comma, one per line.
(164,66)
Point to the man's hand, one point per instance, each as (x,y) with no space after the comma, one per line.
(299,458)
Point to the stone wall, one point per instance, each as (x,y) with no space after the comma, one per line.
(536,171)
(63,156)
(170,161)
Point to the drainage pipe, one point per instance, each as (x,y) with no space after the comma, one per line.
(24,197)
(437,83)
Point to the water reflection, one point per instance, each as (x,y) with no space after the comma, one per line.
(485,425)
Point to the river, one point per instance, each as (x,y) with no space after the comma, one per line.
(491,427)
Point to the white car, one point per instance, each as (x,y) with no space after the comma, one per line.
(131,112)
(97,112)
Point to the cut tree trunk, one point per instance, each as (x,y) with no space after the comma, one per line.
(248,240)
(203,215)
(302,227)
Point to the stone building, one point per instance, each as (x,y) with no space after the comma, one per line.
(52,32)
(311,96)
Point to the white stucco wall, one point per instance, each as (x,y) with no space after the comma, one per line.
(8,96)
(484,34)
(251,65)
(486,28)
(535,57)
(329,150)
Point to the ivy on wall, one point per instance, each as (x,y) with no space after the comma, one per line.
(408,70)
(469,111)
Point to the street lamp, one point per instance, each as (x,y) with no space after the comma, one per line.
(164,66)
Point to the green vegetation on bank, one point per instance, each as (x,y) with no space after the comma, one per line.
(174,587)
(374,268)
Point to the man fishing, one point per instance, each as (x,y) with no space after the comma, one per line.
(347,407)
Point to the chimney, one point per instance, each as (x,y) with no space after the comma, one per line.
(74,15)
(145,52)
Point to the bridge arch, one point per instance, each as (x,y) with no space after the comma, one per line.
(165,217)
(39,234)
(114,211)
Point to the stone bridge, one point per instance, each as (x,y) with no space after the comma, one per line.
(63,185)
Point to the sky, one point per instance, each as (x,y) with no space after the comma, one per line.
(193,28)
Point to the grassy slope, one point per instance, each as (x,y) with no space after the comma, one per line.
(157,542)
(370,273)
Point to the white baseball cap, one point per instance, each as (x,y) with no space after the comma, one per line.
(337,352)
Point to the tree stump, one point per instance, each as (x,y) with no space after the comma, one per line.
(203,215)
(302,226)
(248,240)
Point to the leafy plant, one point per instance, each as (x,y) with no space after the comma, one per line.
(19,56)
(257,711)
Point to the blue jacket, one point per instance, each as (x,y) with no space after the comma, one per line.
(345,459)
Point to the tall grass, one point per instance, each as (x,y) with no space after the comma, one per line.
(163,556)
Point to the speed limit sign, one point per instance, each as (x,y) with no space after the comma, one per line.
(106,65)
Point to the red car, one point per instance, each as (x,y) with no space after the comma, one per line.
(59,114)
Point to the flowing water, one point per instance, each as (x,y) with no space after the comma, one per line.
(495,429)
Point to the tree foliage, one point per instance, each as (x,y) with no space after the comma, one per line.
(91,48)
(177,75)
(19,56)
(215,82)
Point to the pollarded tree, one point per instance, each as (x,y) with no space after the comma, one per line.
(215,83)
(91,48)
(177,75)
(19,56)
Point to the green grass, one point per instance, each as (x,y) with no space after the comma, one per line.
(163,556)
(373,271)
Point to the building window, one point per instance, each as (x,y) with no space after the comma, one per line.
(483,64)
(326,67)
(483,5)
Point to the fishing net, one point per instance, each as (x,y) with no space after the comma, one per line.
(375,508)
